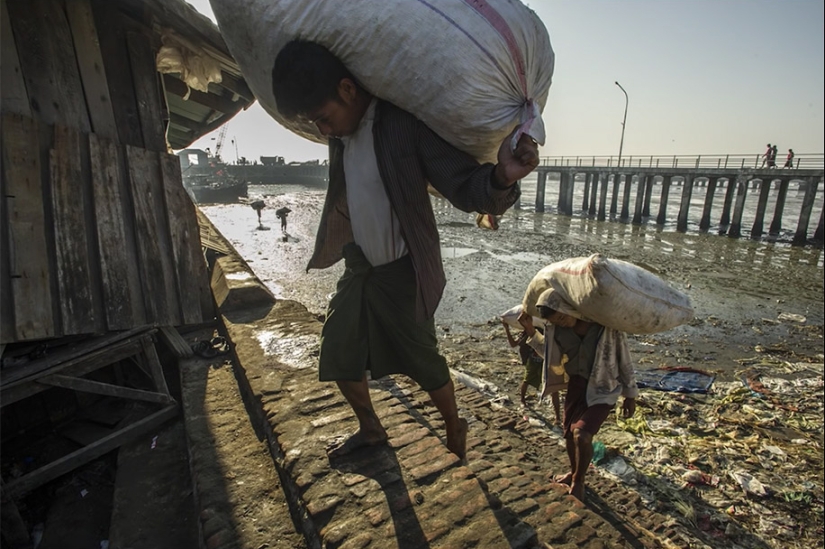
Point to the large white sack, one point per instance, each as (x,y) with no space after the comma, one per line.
(472,70)
(614,293)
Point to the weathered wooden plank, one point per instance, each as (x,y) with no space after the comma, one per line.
(801,235)
(31,284)
(148,94)
(72,234)
(687,194)
(92,70)
(71,461)
(782,195)
(152,235)
(704,223)
(106,389)
(661,218)
(13,96)
(739,208)
(150,356)
(190,267)
(47,59)
(122,295)
(761,207)
(112,37)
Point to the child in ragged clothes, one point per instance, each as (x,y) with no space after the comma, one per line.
(533,367)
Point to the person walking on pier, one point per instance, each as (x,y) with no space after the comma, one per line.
(378,217)
(767,156)
(789,159)
(599,370)
(772,157)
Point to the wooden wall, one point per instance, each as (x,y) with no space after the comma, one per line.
(96,231)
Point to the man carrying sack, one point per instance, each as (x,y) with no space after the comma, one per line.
(378,217)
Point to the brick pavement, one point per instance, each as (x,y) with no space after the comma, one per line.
(414,493)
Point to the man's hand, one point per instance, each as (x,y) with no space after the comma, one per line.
(515,165)
(527,322)
(629,407)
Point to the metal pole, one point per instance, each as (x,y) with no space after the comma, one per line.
(624,120)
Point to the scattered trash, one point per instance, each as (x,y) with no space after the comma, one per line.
(791,317)
(37,534)
(599,451)
(749,484)
(154,442)
(84,492)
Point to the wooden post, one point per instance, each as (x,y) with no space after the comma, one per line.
(615,198)
(801,236)
(741,193)
(628,183)
(641,185)
(568,193)
(564,182)
(761,206)
(602,197)
(541,182)
(687,193)
(588,178)
(649,182)
(704,223)
(818,236)
(666,181)
(594,193)
(517,203)
(776,224)
(724,221)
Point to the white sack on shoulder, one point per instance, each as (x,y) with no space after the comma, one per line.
(614,293)
(471,70)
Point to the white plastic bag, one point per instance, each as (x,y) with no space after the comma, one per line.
(472,70)
(614,293)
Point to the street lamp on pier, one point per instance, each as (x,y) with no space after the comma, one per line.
(624,120)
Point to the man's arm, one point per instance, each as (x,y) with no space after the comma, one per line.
(468,185)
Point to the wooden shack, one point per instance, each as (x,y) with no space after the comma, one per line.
(99,242)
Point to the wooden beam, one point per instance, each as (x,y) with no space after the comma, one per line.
(71,461)
(147,91)
(106,389)
(212,101)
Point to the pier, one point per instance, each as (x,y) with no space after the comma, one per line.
(623,193)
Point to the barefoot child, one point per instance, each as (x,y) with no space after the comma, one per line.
(599,369)
(533,368)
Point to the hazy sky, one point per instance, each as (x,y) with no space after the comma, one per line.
(702,76)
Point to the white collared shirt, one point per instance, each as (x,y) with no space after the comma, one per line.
(375,226)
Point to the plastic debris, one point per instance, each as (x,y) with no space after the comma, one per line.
(792,317)
(749,484)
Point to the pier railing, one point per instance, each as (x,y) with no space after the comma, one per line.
(806,161)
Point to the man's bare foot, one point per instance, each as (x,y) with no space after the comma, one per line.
(457,442)
(566,478)
(354,442)
(577,490)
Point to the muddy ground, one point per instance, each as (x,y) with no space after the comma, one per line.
(759,316)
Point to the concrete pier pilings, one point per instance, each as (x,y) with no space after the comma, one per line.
(597,185)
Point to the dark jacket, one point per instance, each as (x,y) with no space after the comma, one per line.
(410,154)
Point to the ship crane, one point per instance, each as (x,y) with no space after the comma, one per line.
(219,142)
